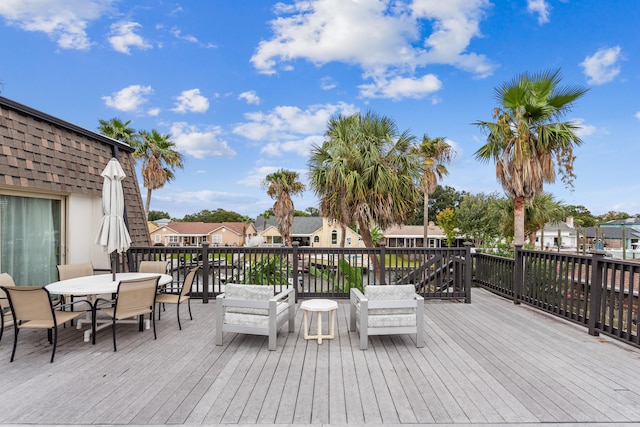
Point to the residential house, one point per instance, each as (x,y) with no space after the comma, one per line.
(308,231)
(620,233)
(557,235)
(196,233)
(50,194)
(412,236)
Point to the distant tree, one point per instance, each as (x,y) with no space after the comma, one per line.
(434,153)
(300,213)
(479,218)
(442,197)
(527,140)
(117,129)
(281,185)
(447,221)
(156,215)
(313,211)
(159,159)
(613,215)
(581,215)
(219,215)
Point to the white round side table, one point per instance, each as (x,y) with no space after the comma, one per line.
(319,306)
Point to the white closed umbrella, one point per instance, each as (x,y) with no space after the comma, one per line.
(113,235)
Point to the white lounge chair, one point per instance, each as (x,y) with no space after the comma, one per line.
(253,309)
(386,310)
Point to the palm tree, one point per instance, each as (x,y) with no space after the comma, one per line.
(434,154)
(117,129)
(159,159)
(365,173)
(281,185)
(542,209)
(525,138)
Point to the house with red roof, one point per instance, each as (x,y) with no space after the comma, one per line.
(196,233)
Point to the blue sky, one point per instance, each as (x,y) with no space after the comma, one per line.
(246,87)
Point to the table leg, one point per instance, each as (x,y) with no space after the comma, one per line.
(319,327)
(306,325)
(332,320)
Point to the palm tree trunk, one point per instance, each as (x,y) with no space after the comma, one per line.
(518,220)
(425,241)
(148,205)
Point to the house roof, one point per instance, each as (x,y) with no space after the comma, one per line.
(411,231)
(552,227)
(204,228)
(613,233)
(621,222)
(302,225)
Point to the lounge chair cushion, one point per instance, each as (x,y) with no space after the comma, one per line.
(390,293)
(240,318)
(249,293)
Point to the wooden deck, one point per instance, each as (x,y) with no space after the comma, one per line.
(485,363)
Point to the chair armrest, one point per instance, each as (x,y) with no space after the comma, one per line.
(98,300)
(355,295)
(287,293)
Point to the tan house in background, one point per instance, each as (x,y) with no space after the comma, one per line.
(308,231)
(196,233)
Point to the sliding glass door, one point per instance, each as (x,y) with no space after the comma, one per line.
(30,238)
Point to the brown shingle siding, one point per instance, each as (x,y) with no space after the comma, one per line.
(43,153)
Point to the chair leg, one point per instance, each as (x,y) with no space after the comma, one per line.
(178,315)
(55,342)
(189,305)
(1,323)
(153,320)
(15,340)
(113,329)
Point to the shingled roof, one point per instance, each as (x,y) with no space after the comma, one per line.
(43,153)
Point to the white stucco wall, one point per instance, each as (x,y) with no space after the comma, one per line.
(84,216)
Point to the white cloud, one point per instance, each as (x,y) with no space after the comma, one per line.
(250,97)
(256,176)
(638,115)
(288,129)
(585,129)
(322,31)
(541,7)
(327,83)
(401,87)
(190,101)
(129,99)
(65,21)
(122,37)
(200,144)
(177,33)
(602,66)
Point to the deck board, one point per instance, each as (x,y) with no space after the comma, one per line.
(489,362)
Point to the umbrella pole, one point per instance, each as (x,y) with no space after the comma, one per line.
(114,265)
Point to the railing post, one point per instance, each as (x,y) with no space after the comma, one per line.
(294,273)
(518,274)
(595,303)
(383,273)
(205,273)
(468,272)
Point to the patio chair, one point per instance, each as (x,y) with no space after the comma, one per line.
(159,267)
(386,310)
(253,309)
(6,318)
(32,308)
(135,298)
(178,296)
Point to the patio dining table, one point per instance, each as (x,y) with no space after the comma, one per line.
(99,284)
